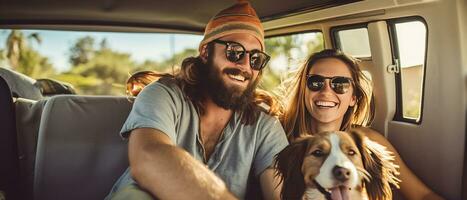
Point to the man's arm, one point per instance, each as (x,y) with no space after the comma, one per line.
(270,185)
(169,172)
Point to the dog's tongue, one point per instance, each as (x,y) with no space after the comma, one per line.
(340,193)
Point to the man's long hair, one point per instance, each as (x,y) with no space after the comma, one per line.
(189,78)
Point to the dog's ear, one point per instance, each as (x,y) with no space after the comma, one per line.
(379,163)
(288,164)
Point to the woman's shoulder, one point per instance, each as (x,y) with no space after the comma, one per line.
(372,134)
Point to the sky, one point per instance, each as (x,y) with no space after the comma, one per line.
(141,46)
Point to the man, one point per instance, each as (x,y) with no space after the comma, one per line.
(200,134)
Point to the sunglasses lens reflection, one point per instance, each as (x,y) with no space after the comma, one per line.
(234,56)
(315,82)
(340,85)
(258,60)
(235,52)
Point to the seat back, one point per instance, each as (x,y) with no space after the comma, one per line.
(79,151)
(9,164)
(28,116)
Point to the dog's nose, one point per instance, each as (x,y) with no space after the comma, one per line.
(341,174)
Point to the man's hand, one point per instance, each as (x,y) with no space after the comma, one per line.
(169,172)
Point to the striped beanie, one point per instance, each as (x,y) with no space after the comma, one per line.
(239,18)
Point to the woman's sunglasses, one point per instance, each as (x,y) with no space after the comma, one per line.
(235,52)
(339,84)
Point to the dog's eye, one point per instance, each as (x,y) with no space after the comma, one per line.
(351,152)
(317,153)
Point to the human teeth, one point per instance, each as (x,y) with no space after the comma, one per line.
(237,77)
(326,103)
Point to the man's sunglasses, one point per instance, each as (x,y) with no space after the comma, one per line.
(235,52)
(339,84)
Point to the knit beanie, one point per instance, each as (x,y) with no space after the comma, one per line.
(239,18)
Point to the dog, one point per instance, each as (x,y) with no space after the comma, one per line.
(336,166)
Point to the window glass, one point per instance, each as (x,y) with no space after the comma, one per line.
(99,63)
(288,53)
(94,63)
(354,42)
(411,50)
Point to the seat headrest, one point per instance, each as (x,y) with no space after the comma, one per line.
(20,84)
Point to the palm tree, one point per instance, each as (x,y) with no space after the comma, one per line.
(16,44)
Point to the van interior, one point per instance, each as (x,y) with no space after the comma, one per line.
(66,146)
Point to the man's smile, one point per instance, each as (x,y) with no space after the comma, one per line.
(237,77)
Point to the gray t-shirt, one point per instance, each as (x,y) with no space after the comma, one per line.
(241,148)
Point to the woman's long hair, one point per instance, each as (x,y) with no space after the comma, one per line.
(296,119)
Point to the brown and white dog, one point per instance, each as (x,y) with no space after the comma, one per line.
(336,165)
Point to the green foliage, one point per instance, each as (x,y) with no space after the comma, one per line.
(150,65)
(169,64)
(3,58)
(35,65)
(108,67)
(82,51)
(295,47)
(270,79)
(178,58)
(276,46)
(82,85)
(23,58)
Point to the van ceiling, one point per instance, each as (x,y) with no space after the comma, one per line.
(180,15)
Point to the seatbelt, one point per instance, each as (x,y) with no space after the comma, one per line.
(9,163)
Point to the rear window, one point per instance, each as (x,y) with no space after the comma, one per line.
(94,63)
(99,63)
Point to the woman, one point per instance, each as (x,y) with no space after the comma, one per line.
(329,94)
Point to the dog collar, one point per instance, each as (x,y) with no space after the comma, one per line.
(322,190)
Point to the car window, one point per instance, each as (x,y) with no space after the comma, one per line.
(99,63)
(94,63)
(288,53)
(353,41)
(409,38)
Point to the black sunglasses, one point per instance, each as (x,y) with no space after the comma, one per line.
(339,84)
(234,52)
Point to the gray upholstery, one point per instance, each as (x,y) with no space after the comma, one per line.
(20,84)
(79,151)
(28,116)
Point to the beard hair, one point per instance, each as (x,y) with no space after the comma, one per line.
(227,97)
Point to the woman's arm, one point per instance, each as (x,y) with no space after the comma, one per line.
(270,185)
(411,186)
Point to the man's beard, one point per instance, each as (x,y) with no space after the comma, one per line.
(223,95)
